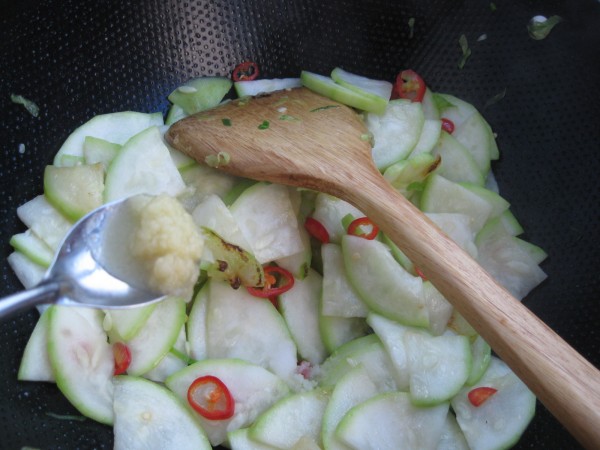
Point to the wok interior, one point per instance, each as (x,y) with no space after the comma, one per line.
(76,59)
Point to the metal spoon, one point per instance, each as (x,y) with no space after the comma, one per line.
(80,273)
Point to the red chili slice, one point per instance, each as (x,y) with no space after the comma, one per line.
(122,357)
(316,229)
(355,228)
(479,395)
(286,282)
(420,273)
(245,71)
(210,398)
(410,85)
(447,125)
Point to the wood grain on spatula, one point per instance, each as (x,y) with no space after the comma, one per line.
(299,138)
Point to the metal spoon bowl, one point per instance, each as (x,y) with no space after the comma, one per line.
(79,274)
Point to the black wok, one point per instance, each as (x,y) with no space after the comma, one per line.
(76,59)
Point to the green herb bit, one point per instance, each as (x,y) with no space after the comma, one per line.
(288,118)
(66,416)
(495,99)
(226,122)
(264,125)
(30,106)
(218,160)
(366,137)
(323,108)
(205,116)
(281,101)
(493,6)
(539,27)
(411,27)
(466,51)
(243,101)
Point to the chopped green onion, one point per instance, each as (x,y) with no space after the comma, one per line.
(226,122)
(367,137)
(495,99)
(288,118)
(411,27)
(66,417)
(539,27)
(493,6)
(323,108)
(264,125)
(243,101)
(281,101)
(466,51)
(30,106)
(218,160)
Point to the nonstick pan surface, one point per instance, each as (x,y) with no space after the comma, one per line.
(79,58)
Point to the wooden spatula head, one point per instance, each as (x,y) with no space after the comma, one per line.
(291,136)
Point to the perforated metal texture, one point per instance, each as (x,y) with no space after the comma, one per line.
(76,59)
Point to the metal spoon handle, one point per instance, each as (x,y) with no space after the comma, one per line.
(45,292)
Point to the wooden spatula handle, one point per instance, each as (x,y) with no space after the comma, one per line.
(565,382)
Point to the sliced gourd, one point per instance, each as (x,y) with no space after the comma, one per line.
(114,127)
(396,132)
(256,87)
(382,283)
(352,389)
(253,389)
(35,363)
(265,214)
(457,162)
(235,317)
(82,360)
(28,272)
(149,416)
(201,93)
(291,419)
(330,211)
(339,298)
(391,421)
(33,247)
(143,166)
(152,342)
(300,309)
(44,220)
(96,150)
(500,420)
(444,196)
(327,87)
(367,351)
(74,191)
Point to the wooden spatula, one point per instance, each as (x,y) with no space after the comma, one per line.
(299,138)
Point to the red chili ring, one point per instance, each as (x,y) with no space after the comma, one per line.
(269,291)
(447,125)
(316,229)
(222,398)
(246,71)
(354,226)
